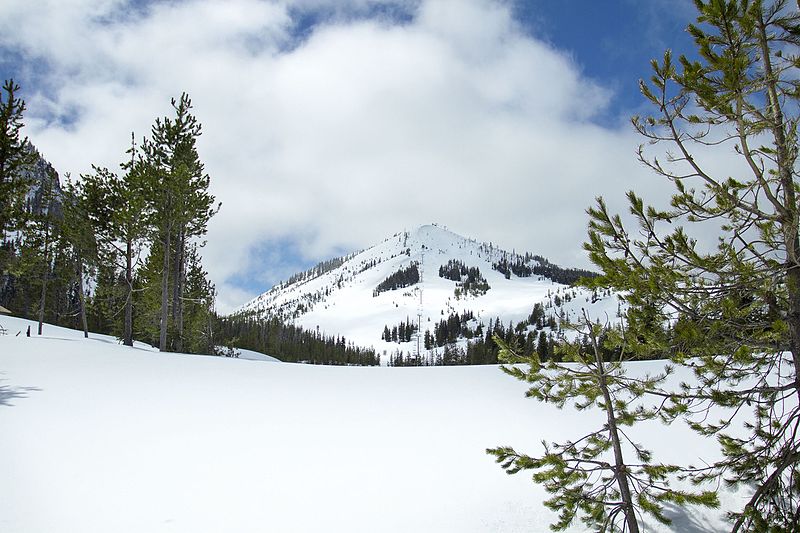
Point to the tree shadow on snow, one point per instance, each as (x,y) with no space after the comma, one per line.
(8,394)
(690,520)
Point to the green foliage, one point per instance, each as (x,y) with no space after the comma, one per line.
(593,477)
(731,306)
(15,159)
(178,207)
(120,215)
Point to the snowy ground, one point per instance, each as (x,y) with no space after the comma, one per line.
(98,437)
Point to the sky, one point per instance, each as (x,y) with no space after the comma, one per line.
(331,125)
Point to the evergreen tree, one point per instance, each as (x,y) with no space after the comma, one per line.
(78,236)
(404,277)
(542,347)
(604,476)
(181,207)
(14,159)
(199,297)
(37,252)
(732,306)
(120,215)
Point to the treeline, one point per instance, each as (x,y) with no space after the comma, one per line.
(521,267)
(405,277)
(321,268)
(133,236)
(566,276)
(290,343)
(517,266)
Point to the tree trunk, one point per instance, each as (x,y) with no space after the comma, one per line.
(127,332)
(790,219)
(620,470)
(82,299)
(181,282)
(162,344)
(42,300)
(177,290)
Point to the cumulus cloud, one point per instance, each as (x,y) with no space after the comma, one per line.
(333,136)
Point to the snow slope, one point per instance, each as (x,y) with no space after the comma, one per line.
(98,437)
(342,301)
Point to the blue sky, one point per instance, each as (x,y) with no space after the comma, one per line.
(329,125)
(612,41)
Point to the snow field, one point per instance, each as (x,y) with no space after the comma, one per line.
(99,437)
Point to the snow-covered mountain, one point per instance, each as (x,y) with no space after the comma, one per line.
(422,277)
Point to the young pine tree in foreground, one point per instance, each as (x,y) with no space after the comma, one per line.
(604,477)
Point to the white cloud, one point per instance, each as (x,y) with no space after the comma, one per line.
(362,129)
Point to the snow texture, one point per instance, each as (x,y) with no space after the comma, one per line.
(99,437)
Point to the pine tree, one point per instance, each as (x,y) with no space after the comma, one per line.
(78,236)
(732,307)
(38,236)
(199,297)
(603,476)
(181,207)
(119,212)
(542,347)
(14,159)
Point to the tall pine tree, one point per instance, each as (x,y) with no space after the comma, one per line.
(181,207)
(732,306)
(14,159)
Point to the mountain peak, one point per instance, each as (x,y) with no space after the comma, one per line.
(422,276)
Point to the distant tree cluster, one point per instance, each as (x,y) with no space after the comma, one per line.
(469,280)
(366,265)
(290,343)
(516,266)
(525,266)
(405,277)
(402,332)
(450,355)
(566,276)
(452,328)
(400,358)
(442,347)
